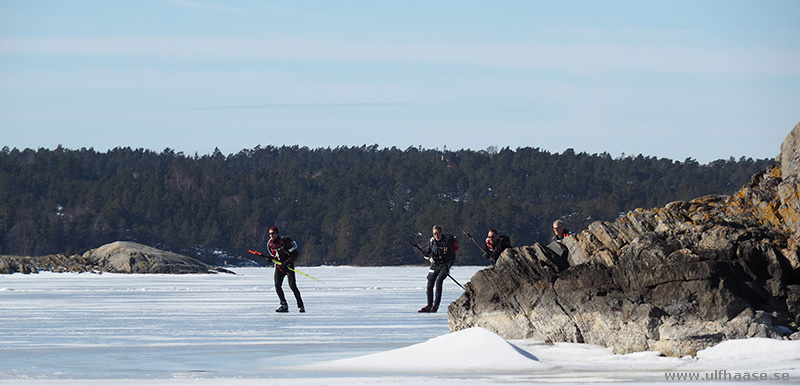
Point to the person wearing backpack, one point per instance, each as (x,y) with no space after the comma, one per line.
(495,245)
(284,250)
(559,232)
(441,252)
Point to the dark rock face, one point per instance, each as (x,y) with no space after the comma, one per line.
(55,263)
(117,257)
(675,279)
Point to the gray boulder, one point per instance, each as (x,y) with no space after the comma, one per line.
(128,257)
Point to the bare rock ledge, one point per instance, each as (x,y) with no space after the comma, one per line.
(676,279)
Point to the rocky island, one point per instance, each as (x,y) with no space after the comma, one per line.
(116,257)
(676,279)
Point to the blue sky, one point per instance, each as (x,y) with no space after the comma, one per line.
(676,79)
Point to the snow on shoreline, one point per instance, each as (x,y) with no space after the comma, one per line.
(474,350)
(452,359)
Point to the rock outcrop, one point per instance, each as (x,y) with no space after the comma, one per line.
(116,257)
(675,279)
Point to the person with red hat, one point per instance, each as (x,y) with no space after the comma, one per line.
(284,250)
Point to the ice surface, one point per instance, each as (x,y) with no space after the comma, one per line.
(361,328)
(163,326)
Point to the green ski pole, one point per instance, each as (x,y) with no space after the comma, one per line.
(290,268)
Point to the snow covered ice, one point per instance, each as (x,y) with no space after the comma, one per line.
(361,326)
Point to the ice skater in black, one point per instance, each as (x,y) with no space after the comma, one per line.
(495,245)
(284,250)
(441,251)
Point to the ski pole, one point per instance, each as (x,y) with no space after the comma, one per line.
(437,265)
(277,263)
(473,240)
(477,244)
(281,265)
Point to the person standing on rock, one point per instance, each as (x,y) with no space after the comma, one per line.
(441,252)
(559,231)
(495,245)
(284,250)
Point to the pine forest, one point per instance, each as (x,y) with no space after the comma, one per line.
(345,205)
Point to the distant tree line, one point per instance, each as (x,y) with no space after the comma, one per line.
(345,205)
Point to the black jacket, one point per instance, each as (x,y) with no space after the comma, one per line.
(443,252)
(561,236)
(284,249)
(492,252)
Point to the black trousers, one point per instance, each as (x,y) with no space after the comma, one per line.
(436,276)
(280,273)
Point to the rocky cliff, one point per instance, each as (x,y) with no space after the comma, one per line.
(675,279)
(116,257)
